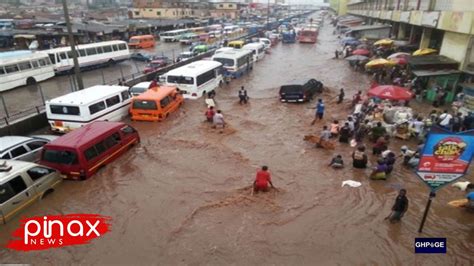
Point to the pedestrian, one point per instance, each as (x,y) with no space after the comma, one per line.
(351,123)
(444,120)
(378,131)
(337,162)
(345,133)
(340,97)
(470,197)
(417,127)
(359,158)
(334,128)
(319,111)
(218,120)
(468,122)
(323,137)
(390,162)
(210,114)
(243,95)
(380,145)
(336,54)
(406,154)
(400,207)
(153,84)
(456,123)
(361,131)
(262,180)
(379,171)
(356,98)
(211,94)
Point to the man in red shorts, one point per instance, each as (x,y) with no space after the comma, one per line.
(262,180)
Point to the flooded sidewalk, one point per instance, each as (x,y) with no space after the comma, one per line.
(183,196)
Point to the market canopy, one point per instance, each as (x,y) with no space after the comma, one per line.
(361,52)
(432,62)
(398,55)
(384,42)
(424,51)
(399,60)
(390,92)
(380,62)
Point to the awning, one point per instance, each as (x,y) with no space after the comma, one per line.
(25,36)
(428,73)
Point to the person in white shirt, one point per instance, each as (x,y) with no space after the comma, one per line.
(218,120)
(418,126)
(445,119)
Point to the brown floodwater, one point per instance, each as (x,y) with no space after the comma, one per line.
(183,195)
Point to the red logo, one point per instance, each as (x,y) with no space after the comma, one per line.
(45,232)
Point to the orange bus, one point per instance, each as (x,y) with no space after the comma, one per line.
(156,104)
(141,42)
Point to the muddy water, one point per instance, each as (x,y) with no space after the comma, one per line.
(183,195)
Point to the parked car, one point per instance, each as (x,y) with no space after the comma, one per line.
(185,56)
(21,183)
(300,91)
(141,57)
(23,148)
(163,58)
(139,88)
(154,65)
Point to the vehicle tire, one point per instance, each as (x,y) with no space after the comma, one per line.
(204,93)
(111,62)
(30,81)
(47,192)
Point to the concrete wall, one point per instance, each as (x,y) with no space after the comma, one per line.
(455,46)
(25,126)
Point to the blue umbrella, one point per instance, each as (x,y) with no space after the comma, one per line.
(351,42)
(348,39)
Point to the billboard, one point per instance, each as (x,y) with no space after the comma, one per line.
(446,157)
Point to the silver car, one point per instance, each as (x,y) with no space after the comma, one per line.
(23,148)
(21,184)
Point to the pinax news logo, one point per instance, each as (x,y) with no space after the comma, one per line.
(45,232)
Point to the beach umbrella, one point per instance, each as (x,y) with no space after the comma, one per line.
(399,60)
(424,51)
(384,42)
(380,62)
(357,58)
(361,52)
(399,55)
(390,92)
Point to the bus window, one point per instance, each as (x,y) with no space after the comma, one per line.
(91,51)
(90,153)
(60,157)
(99,50)
(24,66)
(125,95)
(82,52)
(112,101)
(122,46)
(69,54)
(53,58)
(164,102)
(43,62)
(115,47)
(35,64)
(64,110)
(107,49)
(2,71)
(96,107)
(63,56)
(11,69)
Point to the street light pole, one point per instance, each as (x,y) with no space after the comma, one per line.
(77,70)
(268,14)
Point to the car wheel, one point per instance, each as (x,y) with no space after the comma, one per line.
(30,81)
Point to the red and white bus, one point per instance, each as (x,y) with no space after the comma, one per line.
(82,152)
(308,35)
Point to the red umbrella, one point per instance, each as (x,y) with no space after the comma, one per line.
(399,60)
(391,92)
(361,52)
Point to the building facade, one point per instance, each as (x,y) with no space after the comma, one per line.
(229,10)
(159,9)
(445,25)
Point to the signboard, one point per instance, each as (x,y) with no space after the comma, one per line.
(405,16)
(455,21)
(445,157)
(430,19)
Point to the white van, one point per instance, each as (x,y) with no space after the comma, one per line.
(258,50)
(266,42)
(21,184)
(196,79)
(97,103)
(223,49)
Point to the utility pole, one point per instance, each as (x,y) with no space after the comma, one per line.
(77,70)
(268,15)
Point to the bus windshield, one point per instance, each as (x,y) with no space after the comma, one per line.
(180,80)
(225,61)
(144,105)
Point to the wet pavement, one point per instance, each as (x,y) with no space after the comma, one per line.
(183,195)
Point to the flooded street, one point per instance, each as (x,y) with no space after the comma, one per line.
(183,196)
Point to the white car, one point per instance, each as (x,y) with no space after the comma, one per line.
(185,56)
(139,88)
(23,148)
(265,42)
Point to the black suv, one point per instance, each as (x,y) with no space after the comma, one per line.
(300,91)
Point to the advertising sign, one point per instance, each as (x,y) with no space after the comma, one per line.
(445,157)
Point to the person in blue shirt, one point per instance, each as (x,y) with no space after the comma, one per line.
(470,197)
(319,111)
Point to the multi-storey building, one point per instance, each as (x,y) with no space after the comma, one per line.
(225,9)
(167,9)
(445,25)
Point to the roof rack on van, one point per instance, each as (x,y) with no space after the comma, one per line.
(4,167)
